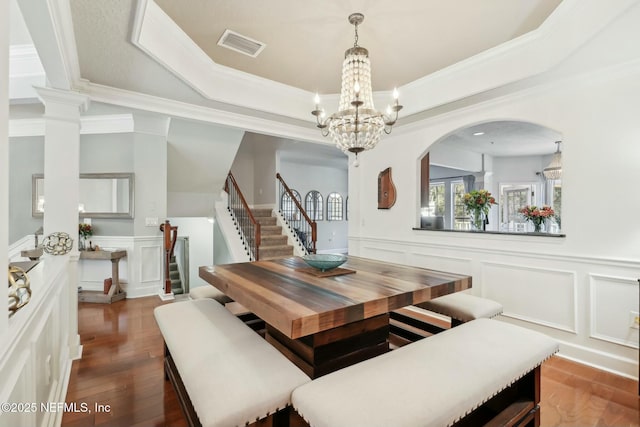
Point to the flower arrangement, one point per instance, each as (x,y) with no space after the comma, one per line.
(85,230)
(478,203)
(537,216)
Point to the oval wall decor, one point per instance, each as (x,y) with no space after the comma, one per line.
(386,190)
(58,243)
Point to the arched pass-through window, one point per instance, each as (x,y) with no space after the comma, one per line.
(334,207)
(313,205)
(508,158)
(288,207)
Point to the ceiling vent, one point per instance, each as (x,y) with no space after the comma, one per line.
(239,43)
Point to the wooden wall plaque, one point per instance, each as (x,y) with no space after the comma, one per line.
(386,190)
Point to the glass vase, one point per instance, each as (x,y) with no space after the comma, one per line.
(81,243)
(477,220)
(537,226)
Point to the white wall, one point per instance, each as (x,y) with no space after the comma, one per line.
(199,158)
(26,158)
(332,235)
(200,234)
(578,289)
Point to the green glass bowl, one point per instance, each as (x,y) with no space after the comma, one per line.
(325,262)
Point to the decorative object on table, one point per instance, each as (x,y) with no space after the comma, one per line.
(537,216)
(324,262)
(19,289)
(478,203)
(357,126)
(58,243)
(85,231)
(386,190)
(554,170)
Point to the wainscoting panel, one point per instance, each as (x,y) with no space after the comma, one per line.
(390,255)
(524,292)
(613,300)
(443,263)
(17,389)
(150,263)
(34,355)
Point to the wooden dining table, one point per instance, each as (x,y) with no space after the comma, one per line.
(326,321)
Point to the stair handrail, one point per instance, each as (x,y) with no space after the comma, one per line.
(312,226)
(246,222)
(170,236)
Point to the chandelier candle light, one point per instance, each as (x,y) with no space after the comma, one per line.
(357,126)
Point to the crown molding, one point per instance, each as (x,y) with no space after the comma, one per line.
(136,100)
(89,125)
(25,72)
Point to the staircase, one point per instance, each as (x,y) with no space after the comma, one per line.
(273,244)
(174,275)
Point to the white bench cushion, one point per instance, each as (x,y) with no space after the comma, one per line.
(209,292)
(231,374)
(463,307)
(432,382)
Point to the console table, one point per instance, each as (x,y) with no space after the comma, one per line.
(115,291)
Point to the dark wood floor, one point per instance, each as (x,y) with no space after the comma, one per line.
(122,370)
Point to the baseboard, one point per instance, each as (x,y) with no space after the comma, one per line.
(603,361)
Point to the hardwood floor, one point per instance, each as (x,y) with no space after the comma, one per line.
(122,370)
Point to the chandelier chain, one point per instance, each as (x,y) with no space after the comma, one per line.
(355,42)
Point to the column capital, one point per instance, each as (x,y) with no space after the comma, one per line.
(50,97)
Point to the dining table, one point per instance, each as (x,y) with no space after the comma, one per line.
(326,320)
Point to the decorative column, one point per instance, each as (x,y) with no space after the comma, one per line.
(150,167)
(61,184)
(4,150)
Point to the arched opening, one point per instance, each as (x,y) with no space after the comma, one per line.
(509,159)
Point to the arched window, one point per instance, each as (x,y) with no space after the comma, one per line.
(334,207)
(288,207)
(346,210)
(313,205)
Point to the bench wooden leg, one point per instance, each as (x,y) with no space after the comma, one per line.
(171,373)
(517,405)
(282,417)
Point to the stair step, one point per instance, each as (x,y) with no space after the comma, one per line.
(262,212)
(271,230)
(270,252)
(173,275)
(273,240)
(264,221)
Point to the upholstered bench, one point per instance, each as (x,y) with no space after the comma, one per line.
(223,372)
(413,324)
(466,376)
(462,307)
(209,292)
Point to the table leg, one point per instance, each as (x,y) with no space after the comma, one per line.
(336,348)
(115,277)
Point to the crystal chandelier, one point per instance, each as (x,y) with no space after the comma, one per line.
(356,126)
(554,170)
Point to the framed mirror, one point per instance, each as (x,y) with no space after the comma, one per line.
(102,195)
